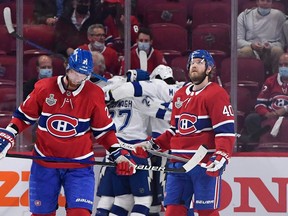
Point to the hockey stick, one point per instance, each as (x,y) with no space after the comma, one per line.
(11,31)
(194,161)
(143,60)
(153,152)
(168,156)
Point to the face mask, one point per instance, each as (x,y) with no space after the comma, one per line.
(144,46)
(82,9)
(283,71)
(46,72)
(264,11)
(98,45)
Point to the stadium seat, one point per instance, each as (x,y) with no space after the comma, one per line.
(8,67)
(212,36)
(5,117)
(211,12)
(7,95)
(250,72)
(168,12)
(28,8)
(279,143)
(42,35)
(180,62)
(175,37)
(7,41)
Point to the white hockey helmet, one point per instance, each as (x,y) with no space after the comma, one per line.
(163,71)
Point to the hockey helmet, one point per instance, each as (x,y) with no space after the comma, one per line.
(163,71)
(81,61)
(202,54)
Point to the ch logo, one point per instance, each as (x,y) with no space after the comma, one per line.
(62,126)
(186,124)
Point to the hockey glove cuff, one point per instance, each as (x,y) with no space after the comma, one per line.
(125,164)
(7,140)
(217,163)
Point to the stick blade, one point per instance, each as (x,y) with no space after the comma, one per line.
(8,20)
(196,159)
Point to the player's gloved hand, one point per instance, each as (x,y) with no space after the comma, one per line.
(109,97)
(140,148)
(217,163)
(125,164)
(7,140)
(137,75)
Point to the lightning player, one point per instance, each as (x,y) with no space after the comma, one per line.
(131,117)
(70,109)
(201,114)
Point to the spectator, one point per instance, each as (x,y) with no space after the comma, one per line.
(100,69)
(48,11)
(113,11)
(272,102)
(71,27)
(96,36)
(259,34)
(44,69)
(144,42)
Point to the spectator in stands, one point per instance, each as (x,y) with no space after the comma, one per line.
(48,11)
(96,36)
(154,56)
(44,68)
(260,32)
(99,66)
(71,27)
(272,102)
(113,16)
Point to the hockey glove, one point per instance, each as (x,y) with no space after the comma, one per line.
(216,166)
(140,148)
(109,98)
(125,164)
(7,140)
(137,75)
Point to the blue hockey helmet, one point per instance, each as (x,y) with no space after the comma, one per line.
(202,54)
(81,61)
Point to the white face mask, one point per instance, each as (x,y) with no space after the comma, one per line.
(283,71)
(98,45)
(145,46)
(45,72)
(264,11)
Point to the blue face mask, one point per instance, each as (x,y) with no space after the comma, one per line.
(46,72)
(283,71)
(264,11)
(145,46)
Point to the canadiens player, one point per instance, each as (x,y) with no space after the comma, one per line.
(201,114)
(69,109)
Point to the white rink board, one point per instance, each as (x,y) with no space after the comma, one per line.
(253,186)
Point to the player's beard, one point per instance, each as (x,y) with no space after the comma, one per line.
(197,78)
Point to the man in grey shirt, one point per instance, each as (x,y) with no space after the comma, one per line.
(259,34)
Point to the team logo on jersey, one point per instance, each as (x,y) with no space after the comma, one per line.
(279,101)
(51,101)
(62,126)
(186,124)
(178,103)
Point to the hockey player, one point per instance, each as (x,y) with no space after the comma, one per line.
(131,117)
(70,109)
(201,114)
